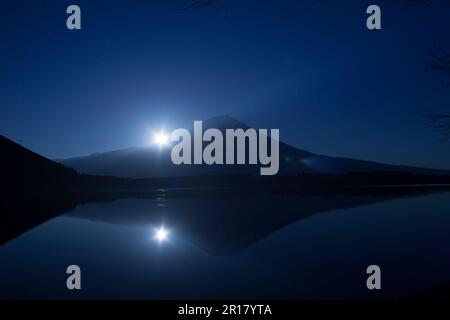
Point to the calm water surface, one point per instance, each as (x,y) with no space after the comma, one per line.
(261,246)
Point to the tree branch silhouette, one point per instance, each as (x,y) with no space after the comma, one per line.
(440,62)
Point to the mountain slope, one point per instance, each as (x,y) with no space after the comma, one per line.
(22,168)
(151,161)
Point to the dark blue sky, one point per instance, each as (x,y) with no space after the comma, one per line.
(310,68)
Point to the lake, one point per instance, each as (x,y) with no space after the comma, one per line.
(233,246)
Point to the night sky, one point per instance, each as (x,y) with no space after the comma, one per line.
(309,68)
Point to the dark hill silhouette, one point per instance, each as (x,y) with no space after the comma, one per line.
(151,161)
(25,169)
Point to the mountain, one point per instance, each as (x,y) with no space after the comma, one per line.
(21,168)
(152,161)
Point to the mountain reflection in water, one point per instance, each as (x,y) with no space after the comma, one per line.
(273,243)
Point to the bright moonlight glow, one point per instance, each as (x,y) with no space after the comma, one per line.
(161,234)
(161,139)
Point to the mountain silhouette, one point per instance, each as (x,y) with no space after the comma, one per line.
(154,162)
(25,169)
